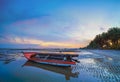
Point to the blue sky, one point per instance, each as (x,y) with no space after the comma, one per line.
(55,23)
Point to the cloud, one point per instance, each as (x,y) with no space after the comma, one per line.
(68,25)
(84,23)
(57,31)
(41,43)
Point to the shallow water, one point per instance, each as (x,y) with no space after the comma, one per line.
(14,67)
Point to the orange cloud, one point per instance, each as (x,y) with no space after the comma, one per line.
(45,43)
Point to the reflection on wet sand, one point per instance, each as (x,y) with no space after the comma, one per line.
(7,58)
(67,71)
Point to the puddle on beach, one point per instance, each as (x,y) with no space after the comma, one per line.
(14,67)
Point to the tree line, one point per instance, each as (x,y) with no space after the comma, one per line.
(106,40)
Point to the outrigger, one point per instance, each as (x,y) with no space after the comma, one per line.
(58,59)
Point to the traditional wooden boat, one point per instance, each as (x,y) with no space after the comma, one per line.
(59,59)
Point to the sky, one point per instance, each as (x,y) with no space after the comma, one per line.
(55,23)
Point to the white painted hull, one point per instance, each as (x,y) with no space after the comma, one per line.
(56,64)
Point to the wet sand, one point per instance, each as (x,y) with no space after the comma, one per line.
(94,66)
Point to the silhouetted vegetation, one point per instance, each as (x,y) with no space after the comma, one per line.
(107,40)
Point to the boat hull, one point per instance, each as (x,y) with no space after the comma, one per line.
(56,64)
(29,55)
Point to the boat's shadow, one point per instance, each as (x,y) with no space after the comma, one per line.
(67,71)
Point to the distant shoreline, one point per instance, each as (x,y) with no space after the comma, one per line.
(46,49)
(62,49)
